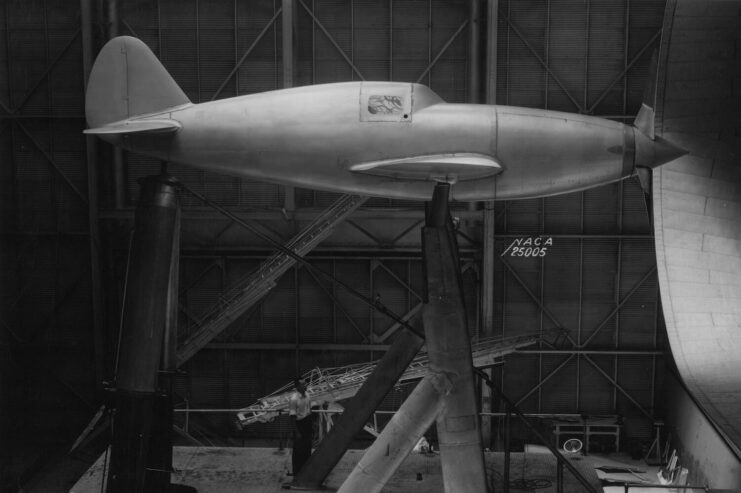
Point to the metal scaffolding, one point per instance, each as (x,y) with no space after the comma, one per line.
(335,384)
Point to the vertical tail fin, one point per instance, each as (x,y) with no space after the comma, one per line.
(127,80)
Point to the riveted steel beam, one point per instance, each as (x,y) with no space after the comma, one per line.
(396,326)
(400,281)
(331,39)
(365,232)
(406,231)
(545,379)
(338,304)
(53,164)
(625,70)
(537,300)
(247,53)
(46,73)
(618,387)
(615,310)
(443,50)
(540,60)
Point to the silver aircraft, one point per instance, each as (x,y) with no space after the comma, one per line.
(384,139)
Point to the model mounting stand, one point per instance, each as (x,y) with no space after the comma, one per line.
(446,394)
(449,348)
(141,448)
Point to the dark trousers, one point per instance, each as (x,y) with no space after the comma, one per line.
(302,442)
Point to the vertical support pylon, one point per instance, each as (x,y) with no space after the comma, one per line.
(487,312)
(139,406)
(447,393)
(449,350)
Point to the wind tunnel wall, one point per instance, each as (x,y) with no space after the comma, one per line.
(697,204)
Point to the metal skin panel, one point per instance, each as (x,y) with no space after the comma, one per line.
(312,136)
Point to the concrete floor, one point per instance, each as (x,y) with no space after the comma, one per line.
(264,470)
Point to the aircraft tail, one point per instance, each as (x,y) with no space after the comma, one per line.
(127,80)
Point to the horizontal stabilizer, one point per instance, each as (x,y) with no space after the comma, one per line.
(436,167)
(136,126)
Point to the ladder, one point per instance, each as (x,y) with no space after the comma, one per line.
(329,385)
(249,290)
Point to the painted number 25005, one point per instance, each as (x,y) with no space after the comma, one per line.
(528,247)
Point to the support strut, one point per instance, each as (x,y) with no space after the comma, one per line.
(358,411)
(449,350)
(399,436)
(447,394)
(141,449)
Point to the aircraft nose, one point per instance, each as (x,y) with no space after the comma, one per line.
(653,153)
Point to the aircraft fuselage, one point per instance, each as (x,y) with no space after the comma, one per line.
(317,136)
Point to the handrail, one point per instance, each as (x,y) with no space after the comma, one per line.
(677,487)
(512,407)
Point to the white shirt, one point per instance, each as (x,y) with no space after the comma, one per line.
(299,406)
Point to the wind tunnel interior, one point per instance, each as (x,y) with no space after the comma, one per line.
(585,261)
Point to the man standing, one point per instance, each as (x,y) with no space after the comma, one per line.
(300,409)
